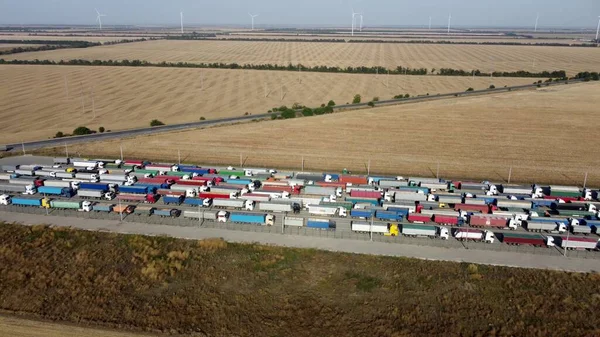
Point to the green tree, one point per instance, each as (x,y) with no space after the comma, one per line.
(492,86)
(59,134)
(202,118)
(101,129)
(371,104)
(406,96)
(156,122)
(307,112)
(82,130)
(331,103)
(470,89)
(375,99)
(356,99)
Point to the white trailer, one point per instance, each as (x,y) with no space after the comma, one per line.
(533,226)
(44,173)
(411,208)
(424,180)
(64,175)
(410,196)
(206,215)
(392,183)
(425,231)
(327,210)
(445,212)
(517,189)
(255,197)
(507,203)
(295,222)
(307,201)
(464,234)
(96,194)
(87,164)
(118,177)
(449,199)
(234,203)
(59,183)
(325,191)
(25,172)
(365,227)
(195,189)
(277,206)
(575,242)
(435,186)
(561,188)
(87,176)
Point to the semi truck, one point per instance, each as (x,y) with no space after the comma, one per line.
(256,197)
(66,192)
(294,222)
(62,183)
(22,189)
(327,211)
(95,194)
(147,198)
(447,220)
(389,215)
(284,206)
(167,212)
(325,191)
(361,213)
(247,205)
(137,189)
(376,227)
(546,225)
(84,206)
(102,208)
(464,234)
(575,242)
(205,215)
(197,202)
(479,221)
(425,231)
(172,199)
(320,224)
(87,176)
(19,201)
(250,218)
(517,239)
(419,218)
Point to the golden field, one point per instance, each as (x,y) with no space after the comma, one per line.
(466,57)
(474,137)
(37,103)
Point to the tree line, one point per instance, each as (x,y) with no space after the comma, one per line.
(53,45)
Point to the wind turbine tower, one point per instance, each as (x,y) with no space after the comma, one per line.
(598,29)
(253,16)
(99,18)
(449,19)
(181,17)
(361,22)
(430,23)
(537,18)
(354,14)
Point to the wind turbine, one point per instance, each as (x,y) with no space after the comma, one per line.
(361,22)
(430,23)
(537,18)
(181,16)
(98,18)
(449,19)
(253,16)
(598,30)
(354,14)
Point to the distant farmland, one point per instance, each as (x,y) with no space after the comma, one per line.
(471,138)
(36,105)
(466,57)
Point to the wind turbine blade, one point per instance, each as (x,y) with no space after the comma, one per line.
(97,11)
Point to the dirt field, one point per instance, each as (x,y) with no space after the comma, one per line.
(467,57)
(20,327)
(132,97)
(215,288)
(546,135)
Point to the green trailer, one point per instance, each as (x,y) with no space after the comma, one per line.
(575,213)
(565,194)
(345,204)
(229,173)
(144,171)
(179,174)
(128,167)
(59,204)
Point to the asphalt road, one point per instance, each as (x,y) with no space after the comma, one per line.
(509,259)
(176,127)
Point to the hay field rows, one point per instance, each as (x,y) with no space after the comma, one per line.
(476,138)
(467,57)
(36,104)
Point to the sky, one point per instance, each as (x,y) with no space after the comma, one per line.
(465,13)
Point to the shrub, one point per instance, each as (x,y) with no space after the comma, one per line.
(356,99)
(288,113)
(331,103)
(297,106)
(375,99)
(371,104)
(82,130)
(470,89)
(246,113)
(101,129)
(539,85)
(328,109)
(273,116)
(203,119)
(156,122)
(307,112)
(492,86)
(406,96)
(59,134)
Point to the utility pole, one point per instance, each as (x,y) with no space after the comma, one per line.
(585,180)
(283,223)
(93,104)
(369,167)
(241,160)
(563,242)
(82,100)
(121,147)
(371,227)
(179,156)
(437,174)
(302,163)
(509,174)
(23,145)
(120,210)
(66,150)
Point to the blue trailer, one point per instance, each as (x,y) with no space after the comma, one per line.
(26,201)
(549,220)
(400,210)
(239,181)
(250,218)
(172,213)
(197,170)
(155,186)
(537,203)
(193,201)
(320,224)
(172,199)
(593,224)
(361,213)
(62,191)
(94,186)
(388,215)
(102,208)
(375,202)
(137,189)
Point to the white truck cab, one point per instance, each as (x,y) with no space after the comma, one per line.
(550,241)
(443,233)
(342,212)
(109,196)
(249,205)
(332,197)
(328,178)
(492,190)
(573,222)
(30,190)
(269,219)
(5,199)
(86,206)
(222,216)
(285,195)
(206,202)
(488,237)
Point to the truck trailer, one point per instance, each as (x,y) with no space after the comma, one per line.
(251,218)
(283,206)
(247,205)
(464,234)
(425,231)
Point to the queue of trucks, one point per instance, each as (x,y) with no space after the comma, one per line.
(410,206)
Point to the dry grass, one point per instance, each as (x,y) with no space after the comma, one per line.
(548,135)
(485,58)
(251,290)
(66,37)
(35,103)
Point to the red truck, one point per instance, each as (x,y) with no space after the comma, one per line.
(147,198)
(420,218)
(166,191)
(354,180)
(134,162)
(192,182)
(517,239)
(155,180)
(214,180)
(205,195)
(365,194)
(475,208)
(486,221)
(447,220)
(565,199)
(331,184)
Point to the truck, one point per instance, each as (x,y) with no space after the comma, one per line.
(517,239)
(294,222)
(147,198)
(326,191)
(5,199)
(162,167)
(327,211)
(256,197)
(479,221)
(87,176)
(123,209)
(205,215)
(485,209)
(320,224)
(353,180)
(136,189)
(365,194)
(385,183)
(193,188)
(172,199)
(118,177)
(167,212)
(571,243)
(44,173)
(65,175)
(234,203)
(211,195)
(347,205)
(197,202)
(97,186)
(507,203)
(87,164)
(19,201)
(447,220)
(376,227)
(25,172)
(250,218)
(361,213)
(61,183)
(84,206)
(66,192)
(283,206)
(23,189)
(546,225)
(464,234)
(418,218)
(375,202)
(26,181)
(425,231)
(409,196)
(388,215)
(102,208)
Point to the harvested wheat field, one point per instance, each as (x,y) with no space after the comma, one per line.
(20,327)
(37,102)
(474,137)
(466,57)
